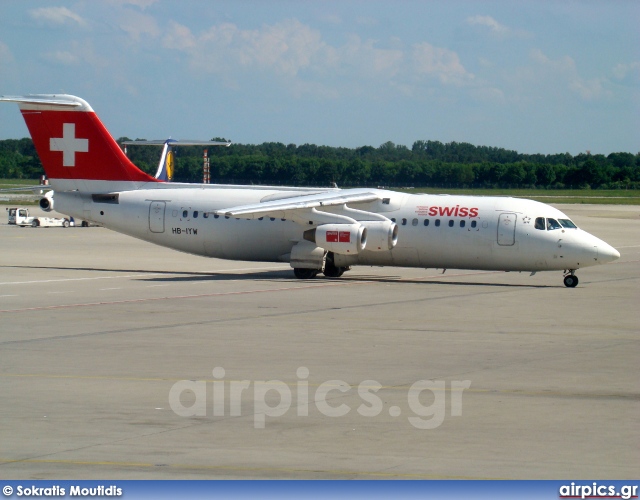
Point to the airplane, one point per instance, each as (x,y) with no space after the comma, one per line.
(315,230)
(166,164)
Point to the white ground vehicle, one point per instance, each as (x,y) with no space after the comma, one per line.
(21,217)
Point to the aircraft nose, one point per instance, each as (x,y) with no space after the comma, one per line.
(606,253)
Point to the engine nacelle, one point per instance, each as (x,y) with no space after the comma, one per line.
(345,239)
(46,203)
(382,236)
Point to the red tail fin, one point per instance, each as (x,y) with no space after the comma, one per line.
(72,142)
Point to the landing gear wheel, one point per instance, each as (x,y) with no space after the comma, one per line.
(571,281)
(305,274)
(332,271)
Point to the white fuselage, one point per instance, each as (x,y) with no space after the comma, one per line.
(435,231)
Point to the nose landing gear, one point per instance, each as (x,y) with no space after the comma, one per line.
(571,280)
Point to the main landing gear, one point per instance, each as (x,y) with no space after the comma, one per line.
(330,270)
(305,274)
(571,280)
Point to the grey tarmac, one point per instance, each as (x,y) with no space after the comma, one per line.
(96,328)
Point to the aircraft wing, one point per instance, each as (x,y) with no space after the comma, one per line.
(297,208)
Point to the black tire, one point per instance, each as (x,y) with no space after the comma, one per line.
(571,281)
(35,223)
(305,274)
(331,271)
(84,223)
(66,223)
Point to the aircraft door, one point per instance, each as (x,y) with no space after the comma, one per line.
(507,229)
(156,216)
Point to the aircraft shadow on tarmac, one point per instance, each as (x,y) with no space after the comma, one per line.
(434,280)
(165,276)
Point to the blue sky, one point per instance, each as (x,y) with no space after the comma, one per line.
(534,76)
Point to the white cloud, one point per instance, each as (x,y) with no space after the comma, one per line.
(5,54)
(364,59)
(179,37)
(56,15)
(489,22)
(439,63)
(632,70)
(143,4)
(563,71)
(79,53)
(306,63)
(496,29)
(62,57)
(136,24)
(366,21)
(286,48)
(330,18)
(489,94)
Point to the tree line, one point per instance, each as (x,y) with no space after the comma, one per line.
(426,163)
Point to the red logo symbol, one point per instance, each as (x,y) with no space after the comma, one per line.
(338,237)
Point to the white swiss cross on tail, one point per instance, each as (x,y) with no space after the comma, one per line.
(69,145)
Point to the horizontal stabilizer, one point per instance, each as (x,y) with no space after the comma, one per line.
(62,101)
(176,142)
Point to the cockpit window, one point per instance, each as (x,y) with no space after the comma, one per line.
(553,224)
(540,223)
(568,224)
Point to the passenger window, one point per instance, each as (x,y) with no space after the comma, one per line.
(462,223)
(553,224)
(473,223)
(414,222)
(539,223)
(386,201)
(174,213)
(272,219)
(437,222)
(404,222)
(426,222)
(451,223)
(185,213)
(215,216)
(260,218)
(195,214)
(568,224)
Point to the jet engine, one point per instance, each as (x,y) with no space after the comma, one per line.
(345,239)
(381,235)
(46,203)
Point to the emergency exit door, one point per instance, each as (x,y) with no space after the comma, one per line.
(156,216)
(507,229)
